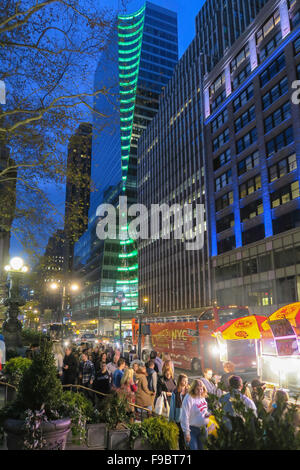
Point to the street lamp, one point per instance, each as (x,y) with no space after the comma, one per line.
(12,327)
(141,312)
(73,287)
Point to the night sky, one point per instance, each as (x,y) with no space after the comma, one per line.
(186,11)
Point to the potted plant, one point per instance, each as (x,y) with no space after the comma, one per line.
(81,411)
(116,413)
(37,418)
(155,433)
(13,371)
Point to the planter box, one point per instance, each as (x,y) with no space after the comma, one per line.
(54,432)
(141,444)
(96,435)
(118,439)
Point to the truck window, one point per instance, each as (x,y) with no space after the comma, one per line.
(208,315)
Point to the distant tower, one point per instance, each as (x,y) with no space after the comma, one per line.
(77,189)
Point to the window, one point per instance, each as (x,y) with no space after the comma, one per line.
(243,98)
(267,27)
(224,201)
(281,140)
(250,186)
(253,234)
(223,180)
(248,163)
(227,244)
(250,267)
(252,210)
(246,140)
(295,19)
(266,51)
(216,103)
(220,140)
(275,93)
(219,121)
(217,84)
(277,117)
(281,168)
(239,58)
(222,159)
(225,223)
(240,78)
(284,195)
(273,69)
(245,118)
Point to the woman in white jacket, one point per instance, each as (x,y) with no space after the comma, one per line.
(194,416)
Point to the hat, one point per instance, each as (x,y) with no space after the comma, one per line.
(257,383)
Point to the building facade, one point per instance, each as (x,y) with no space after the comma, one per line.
(220,140)
(253,163)
(77,189)
(142,53)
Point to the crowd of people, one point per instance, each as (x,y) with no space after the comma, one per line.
(151,385)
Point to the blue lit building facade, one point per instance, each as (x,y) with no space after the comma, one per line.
(139,61)
(228,139)
(253,163)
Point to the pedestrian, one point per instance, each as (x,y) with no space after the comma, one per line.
(229,369)
(157,361)
(119,372)
(86,374)
(135,365)
(236,385)
(194,416)
(112,365)
(258,394)
(58,352)
(207,380)
(166,383)
(102,382)
(168,363)
(103,358)
(151,376)
(143,396)
(128,387)
(176,406)
(70,368)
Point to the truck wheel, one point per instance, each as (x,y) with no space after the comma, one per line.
(196,366)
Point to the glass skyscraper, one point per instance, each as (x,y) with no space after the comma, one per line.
(138,62)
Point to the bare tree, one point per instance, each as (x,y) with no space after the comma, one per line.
(48,54)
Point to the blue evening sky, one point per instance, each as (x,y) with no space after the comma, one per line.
(186,12)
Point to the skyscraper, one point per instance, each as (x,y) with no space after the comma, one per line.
(77,189)
(138,62)
(218,139)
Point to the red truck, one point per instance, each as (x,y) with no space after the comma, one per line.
(189,341)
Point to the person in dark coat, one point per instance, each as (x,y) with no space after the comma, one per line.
(70,368)
(166,383)
(102,382)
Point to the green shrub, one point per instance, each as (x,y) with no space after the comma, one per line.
(30,336)
(158,432)
(39,385)
(80,410)
(114,411)
(15,368)
(268,431)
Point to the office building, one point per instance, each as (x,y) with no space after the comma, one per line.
(228,140)
(140,58)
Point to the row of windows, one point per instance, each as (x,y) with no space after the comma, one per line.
(219,121)
(225,223)
(222,159)
(284,195)
(281,168)
(277,117)
(247,140)
(223,180)
(216,103)
(220,80)
(221,140)
(252,210)
(277,65)
(243,98)
(239,58)
(241,77)
(275,93)
(245,118)
(248,163)
(281,140)
(267,27)
(266,51)
(224,201)
(250,186)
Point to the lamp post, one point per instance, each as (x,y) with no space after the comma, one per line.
(121,298)
(140,313)
(12,327)
(72,287)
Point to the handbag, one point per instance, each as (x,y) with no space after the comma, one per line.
(162,406)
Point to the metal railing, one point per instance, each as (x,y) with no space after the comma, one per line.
(6,387)
(140,410)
